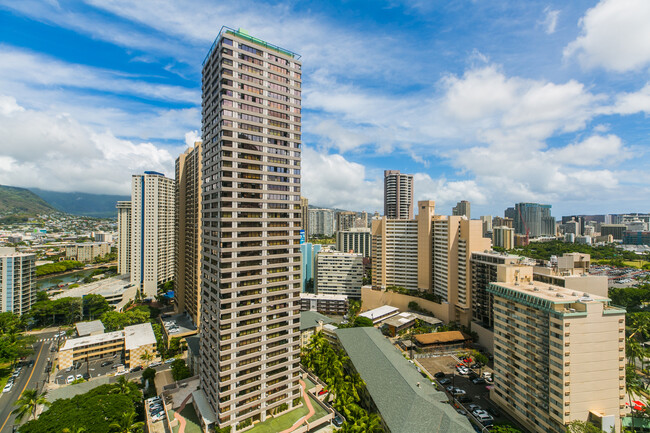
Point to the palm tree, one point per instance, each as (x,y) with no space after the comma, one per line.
(122,386)
(146,356)
(126,424)
(29,400)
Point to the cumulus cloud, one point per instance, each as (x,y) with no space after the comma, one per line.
(615,35)
(447,193)
(58,153)
(633,102)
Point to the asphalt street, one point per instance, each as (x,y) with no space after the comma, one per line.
(30,378)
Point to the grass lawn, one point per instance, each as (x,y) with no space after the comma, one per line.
(309,384)
(283,422)
(5,373)
(320,412)
(630,263)
(193,425)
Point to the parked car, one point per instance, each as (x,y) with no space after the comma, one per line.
(136,368)
(439,375)
(155,364)
(478,381)
(86,376)
(106,363)
(472,375)
(120,373)
(79,377)
(170,360)
(462,370)
(473,407)
(464,399)
(117,366)
(8,387)
(462,412)
(69,379)
(337,421)
(444,381)
(458,391)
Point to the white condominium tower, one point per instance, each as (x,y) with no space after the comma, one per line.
(398,195)
(152,231)
(124,237)
(17,281)
(250,339)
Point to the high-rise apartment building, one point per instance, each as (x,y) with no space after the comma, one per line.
(356,240)
(487,225)
(462,208)
(152,231)
(401,250)
(535,218)
(251,130)
(308,252)
(321,222)
(345,220)
(124,237)
(339,274)
(398,195)
(454,239)
(187,269)
(304,214)
(17,281)
(503,237)
(559,356)
(490,267)
(501,222)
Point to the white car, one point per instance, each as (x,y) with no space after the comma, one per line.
(70,379)
(79,377)
(462,370)
(155,364)
(120,373)
(8,387)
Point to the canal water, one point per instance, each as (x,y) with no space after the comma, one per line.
(70,278)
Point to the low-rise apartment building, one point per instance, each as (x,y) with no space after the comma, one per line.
(559,356)
(322,303)
(339,274)
(131,343)
(17,281)
(87,252)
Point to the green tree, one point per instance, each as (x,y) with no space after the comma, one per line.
(180,370)
(582,427)
(74,430)
(361,321)
(126,424)
(149,374)
(94,306)
(504,428)
(122,386)
(146,356)
(29,400)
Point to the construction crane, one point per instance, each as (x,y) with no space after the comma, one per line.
(524,223)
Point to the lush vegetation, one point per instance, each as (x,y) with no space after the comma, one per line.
(54,268)
(13,199)
(180,370)
(632,298)
(48,312)
(29,400)
(323,240)
(544,251)
(114,320)
(96,411)
(333,367)
(420,294)
(94,306)
(14,344)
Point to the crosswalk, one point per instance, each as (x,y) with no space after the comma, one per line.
(53,339)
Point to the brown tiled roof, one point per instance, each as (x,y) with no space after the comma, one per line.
(440,337)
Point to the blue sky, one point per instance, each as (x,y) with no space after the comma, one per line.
(484,100)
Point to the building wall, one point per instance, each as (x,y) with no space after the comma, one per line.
(503,237)
(339,274)
(395,253)
(251,228)
(462,208)
(86,253)
(187,269)
(321,222)
(152,231)
(17,281)
(371,299)
(355,240)
(304,214)
(536,218)
(616,230)
(398,195)
(345,220)
(124,240)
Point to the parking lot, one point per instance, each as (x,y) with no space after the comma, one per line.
(96,369)
(474,394)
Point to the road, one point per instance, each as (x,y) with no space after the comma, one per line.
(30,378)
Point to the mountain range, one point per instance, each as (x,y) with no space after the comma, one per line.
(34,201)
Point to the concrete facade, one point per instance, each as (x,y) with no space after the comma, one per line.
(398,195)
(503,237)
(250,338)
(124,237)
(87,252)
(339,274)
(559,356)
(17,281)
(187,266)
(355,240)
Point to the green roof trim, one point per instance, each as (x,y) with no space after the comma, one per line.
(244,35)
(392,383)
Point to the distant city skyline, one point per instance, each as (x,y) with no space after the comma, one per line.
(491,102)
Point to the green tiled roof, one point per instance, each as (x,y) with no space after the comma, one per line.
(392,382)
(309,319)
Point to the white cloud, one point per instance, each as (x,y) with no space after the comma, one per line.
(447,193)
(192,137)
(615,35)
(58,153)
(594,150)
(634,102)
(333,181)
(550,20)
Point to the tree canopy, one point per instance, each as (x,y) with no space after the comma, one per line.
(180,370)
(95,411)
(94,306)
(544,251)
(53,268)
(63,311)
(114,320)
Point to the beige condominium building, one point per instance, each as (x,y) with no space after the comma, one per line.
(124,237)
(503,237)
(304,214)
(87,252)
(345,220)
(152,231)
(339,274)
(454,240)
(398,195)
(17,281)
(250,338)
(131,343)
(187,268)
(462,208)
(559,356)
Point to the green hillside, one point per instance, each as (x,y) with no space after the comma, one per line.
(80,203)
(21,200)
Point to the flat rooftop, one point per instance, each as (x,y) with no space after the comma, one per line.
(552,293)
(87,328)
(323,297)
(76,343)
(400,319)
(138,335)
(178,324)
(383,311)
